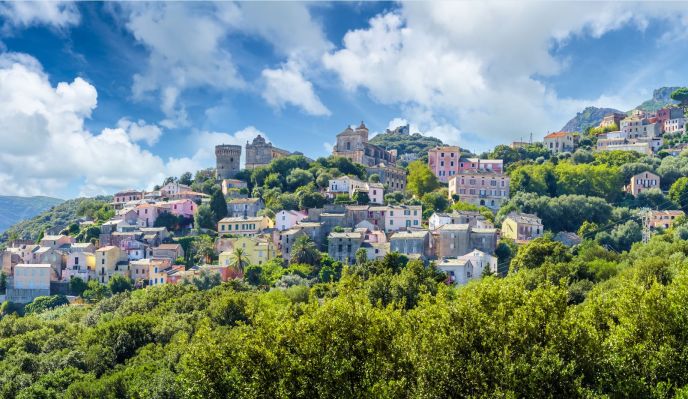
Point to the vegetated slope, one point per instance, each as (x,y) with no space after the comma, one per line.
(589,117)
(406,144)
(660,98)
(59,216)
(14,209)
(592,116)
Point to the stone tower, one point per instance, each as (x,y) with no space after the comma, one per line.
(228,157)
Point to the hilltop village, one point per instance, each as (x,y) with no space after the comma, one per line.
(466,214)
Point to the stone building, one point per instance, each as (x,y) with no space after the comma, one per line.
(391,176)
(454,240)
(227,160)
(261,153)
(343,246)
(353,144)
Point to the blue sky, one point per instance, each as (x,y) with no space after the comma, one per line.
(103,96)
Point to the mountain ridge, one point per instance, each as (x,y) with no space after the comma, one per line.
(592,116)
(14,209)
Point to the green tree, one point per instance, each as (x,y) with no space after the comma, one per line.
(681,95)
(312,199)
(239,259)
(361,198)
(186,179)
(539,251)
(77,286)
(435,201)
(679,192)
(361,256)
(304,251)
(119,283)
(218,204)
(204,218)
(96,291)
(169,221)
(298,178)
(43,303)
(420,179)
(374,178)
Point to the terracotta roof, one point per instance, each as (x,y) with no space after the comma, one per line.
(557,135)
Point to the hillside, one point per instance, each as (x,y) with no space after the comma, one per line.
(660,98)
(15,209)
(592,116)
(59,216)
(406,144)
(589,117)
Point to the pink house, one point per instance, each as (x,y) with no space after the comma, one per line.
(182,207)
(446,162)
(148,213)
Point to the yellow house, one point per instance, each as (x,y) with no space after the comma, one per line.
(110,260)
(244,226)
(522,227)
(80,264)
(258,250)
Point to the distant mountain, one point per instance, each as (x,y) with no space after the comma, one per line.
(16,209)
(589,117)
(592,116)
(660,98)
(57,217)
(406,143)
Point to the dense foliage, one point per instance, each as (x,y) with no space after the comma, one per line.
(585,322)
(59,217)
(406,144)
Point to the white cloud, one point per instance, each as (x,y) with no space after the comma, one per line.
(140,131)
(188,50)
(286,85)
(22,14)
(45,145)
(472,67)
(185,52)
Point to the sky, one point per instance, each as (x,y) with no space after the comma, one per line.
(98,97)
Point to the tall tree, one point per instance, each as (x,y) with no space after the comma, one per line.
(305,251)
(681,95)
(204,218)
(679,192)
(239,259)
(420,179)
(219,205)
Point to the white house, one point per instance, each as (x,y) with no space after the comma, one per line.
(459,271)
(341,185)
(480,260)
(350,185)
(32,276)
(285,220)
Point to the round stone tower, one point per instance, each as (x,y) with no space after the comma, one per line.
(227,157)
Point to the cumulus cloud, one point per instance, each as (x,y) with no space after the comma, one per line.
(184,41)
(286,85)
(140,131)
(22,14)
(471,68)
(45,145)
(196,56)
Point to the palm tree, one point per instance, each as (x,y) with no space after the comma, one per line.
(239,259)
(305,251)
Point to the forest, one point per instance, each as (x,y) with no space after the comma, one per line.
(579,322)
